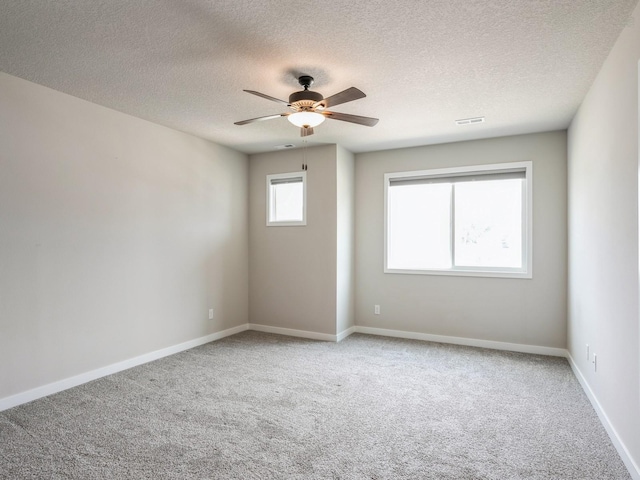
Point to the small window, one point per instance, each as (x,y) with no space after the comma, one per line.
(460,221)
(286,199)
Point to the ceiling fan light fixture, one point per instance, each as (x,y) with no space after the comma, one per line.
(306,119)
(307,108)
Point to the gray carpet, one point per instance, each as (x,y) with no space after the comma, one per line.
(260,406)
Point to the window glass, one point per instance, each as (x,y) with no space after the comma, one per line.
(488,223)
(286,202)
(419,224)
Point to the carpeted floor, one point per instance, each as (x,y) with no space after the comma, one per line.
(261,406)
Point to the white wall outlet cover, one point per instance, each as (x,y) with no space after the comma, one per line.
(211,314)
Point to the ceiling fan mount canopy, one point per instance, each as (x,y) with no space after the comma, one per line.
(305,81)
(308,108)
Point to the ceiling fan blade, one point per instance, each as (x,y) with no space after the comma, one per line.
(344,96)
(273,99)
(306,131)
(259,119)
(345,117)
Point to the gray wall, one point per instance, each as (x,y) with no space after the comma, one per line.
(345,265)
(116,236)
(603,238)
(530,312)
(293,269)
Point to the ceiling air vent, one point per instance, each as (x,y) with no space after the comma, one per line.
(286,145)
(469,121)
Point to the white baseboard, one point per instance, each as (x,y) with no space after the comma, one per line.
(327,337)
(345,333)
(469,342)
(55,387)
(633,468)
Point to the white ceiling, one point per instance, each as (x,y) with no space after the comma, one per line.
(523,64)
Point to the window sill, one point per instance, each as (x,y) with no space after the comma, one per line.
(286,224)
(464,273)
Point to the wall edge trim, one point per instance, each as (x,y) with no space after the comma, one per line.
(345,333)
(621,448)
(70,382)
(327,337)
(469,342)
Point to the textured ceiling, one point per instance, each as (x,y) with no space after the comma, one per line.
(523,64)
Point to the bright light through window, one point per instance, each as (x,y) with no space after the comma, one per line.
(286,202)
(460,221)
(419,224)
(488,223)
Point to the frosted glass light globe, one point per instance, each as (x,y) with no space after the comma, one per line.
(306,119)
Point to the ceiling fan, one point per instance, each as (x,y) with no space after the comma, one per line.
(308,108)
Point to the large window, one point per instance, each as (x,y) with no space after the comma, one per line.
(286,199)
(460,221)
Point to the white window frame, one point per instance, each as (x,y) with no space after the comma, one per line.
(527,220)
(279,176)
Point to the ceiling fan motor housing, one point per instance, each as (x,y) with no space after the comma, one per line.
(296,98)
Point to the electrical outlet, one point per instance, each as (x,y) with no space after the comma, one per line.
(595,362)
(211,314)
(376,309)
(587,352)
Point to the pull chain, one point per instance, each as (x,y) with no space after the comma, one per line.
(304,155)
